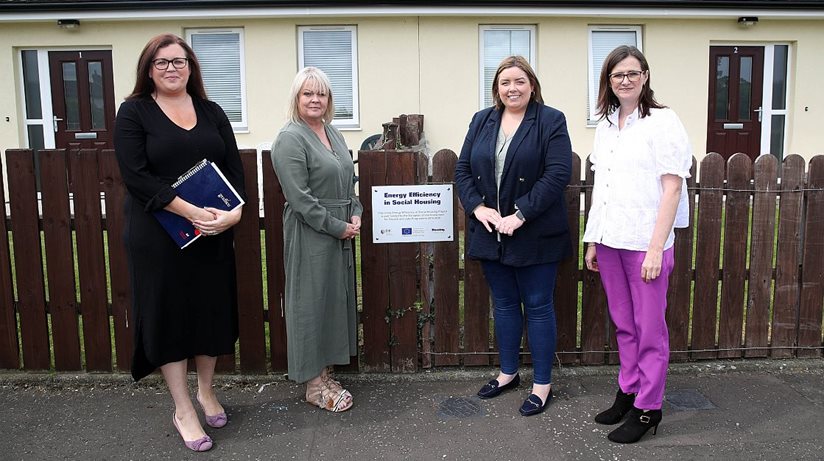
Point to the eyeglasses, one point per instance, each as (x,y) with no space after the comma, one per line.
(633,76)
(177,63)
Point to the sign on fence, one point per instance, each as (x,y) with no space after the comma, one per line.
(415,213)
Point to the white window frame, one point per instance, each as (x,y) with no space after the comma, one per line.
(767,96)
(341,123)
(47,121)
(595,74)
(241,126)
(533,60)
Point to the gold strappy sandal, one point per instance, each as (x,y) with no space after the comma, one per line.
(328,394)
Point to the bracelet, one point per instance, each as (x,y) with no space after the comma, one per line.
(590,244)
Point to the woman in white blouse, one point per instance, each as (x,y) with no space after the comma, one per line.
(641,158)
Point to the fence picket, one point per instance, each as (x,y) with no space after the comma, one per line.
(273,205)
(812,270)
(402,277)
(736,223)
(31,303)
(249,269)
(115,193)
(594,313)
(566,284)
(761,256)
(9,352)
(680,286)
(91,268)
(373,171)
(706,257)
(785,313)
(445,271)
(57,234)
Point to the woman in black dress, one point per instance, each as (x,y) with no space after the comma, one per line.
(184,300)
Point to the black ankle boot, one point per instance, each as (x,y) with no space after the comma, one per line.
(615,413)
(637,424)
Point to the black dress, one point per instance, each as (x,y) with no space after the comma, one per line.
(184,301)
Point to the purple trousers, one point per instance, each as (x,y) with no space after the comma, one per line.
(638,311)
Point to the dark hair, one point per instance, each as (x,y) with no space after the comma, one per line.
(521,63)
(607,101)
(144,86)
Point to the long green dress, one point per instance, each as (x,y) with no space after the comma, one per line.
(321,320)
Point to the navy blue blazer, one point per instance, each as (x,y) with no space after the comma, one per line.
(535,175)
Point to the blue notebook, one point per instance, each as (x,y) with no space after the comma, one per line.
(205,186)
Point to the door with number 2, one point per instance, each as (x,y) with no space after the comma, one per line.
(735,91)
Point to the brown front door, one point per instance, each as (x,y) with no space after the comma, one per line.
(82,99)
(736,84)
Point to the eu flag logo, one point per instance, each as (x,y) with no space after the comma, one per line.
(406,231)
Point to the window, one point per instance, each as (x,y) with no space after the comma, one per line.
(220,53)
(334,50)
(498,42)
(602,40)
(774,116)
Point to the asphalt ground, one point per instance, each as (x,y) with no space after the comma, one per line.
(730,410)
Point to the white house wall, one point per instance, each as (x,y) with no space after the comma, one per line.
(429,65)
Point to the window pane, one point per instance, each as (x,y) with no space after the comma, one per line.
(219,58)
(331,51)
(777,137)
(31,83)
(499,44)
(70,92)
(96,96)
(36,143)
(779,99)
(745,89)
(722,87)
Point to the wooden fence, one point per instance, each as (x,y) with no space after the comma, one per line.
(748,281)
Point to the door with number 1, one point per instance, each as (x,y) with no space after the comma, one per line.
(82,91)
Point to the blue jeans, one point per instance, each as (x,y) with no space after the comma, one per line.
(533,287)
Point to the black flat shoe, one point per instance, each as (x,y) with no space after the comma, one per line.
(637,424)
(492,389)
(533,405)
(619,409)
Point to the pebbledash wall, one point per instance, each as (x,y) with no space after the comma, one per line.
(415,59)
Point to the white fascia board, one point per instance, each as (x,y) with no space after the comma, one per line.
(256,13)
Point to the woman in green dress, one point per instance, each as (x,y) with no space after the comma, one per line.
(321,217)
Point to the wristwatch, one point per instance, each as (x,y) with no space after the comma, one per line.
(520,215)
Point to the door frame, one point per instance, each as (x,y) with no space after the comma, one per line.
(44,80)
(767,93)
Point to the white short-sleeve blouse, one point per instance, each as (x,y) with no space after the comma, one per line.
(628,165)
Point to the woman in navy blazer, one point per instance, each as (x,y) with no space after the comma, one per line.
(514,166)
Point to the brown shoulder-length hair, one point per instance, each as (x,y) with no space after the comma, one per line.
(607,101)
(521,63)
(144,86)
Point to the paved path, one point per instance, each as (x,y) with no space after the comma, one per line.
(747,410)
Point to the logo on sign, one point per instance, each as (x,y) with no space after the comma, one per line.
(406,231)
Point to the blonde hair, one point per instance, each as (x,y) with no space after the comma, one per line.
(316,81)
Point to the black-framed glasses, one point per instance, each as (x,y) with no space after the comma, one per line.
(633,76)
(177,63)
